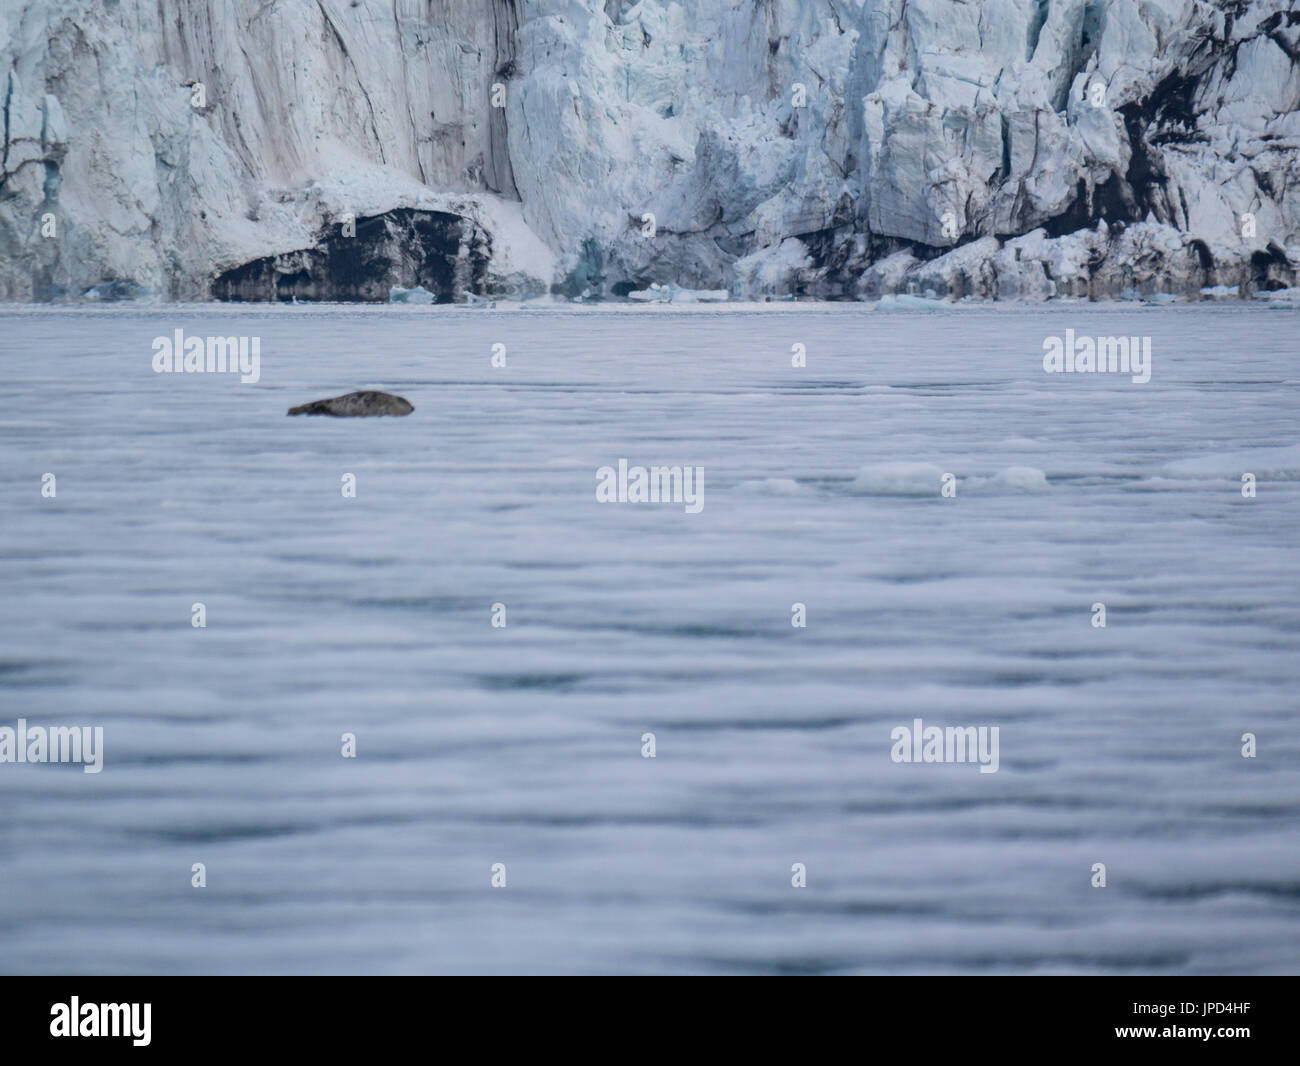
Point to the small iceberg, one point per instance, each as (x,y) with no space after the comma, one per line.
(1011,480)
(1220,292)
(908,302)
(1280,297)
(656,294)
(710,296)
(926,479)
(474,300)
(899,479)
(663,294)
(1160,299)
(417,295)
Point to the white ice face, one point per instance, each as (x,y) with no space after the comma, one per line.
(790,145)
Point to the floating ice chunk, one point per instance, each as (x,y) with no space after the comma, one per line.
(907,302)
(417,295)
(1280,296)
(899,479)
(1221,292)
(774,486)
(676,294)
(1022,479)
(658,294)
(1012,479)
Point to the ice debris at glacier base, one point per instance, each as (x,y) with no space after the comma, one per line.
(417,295)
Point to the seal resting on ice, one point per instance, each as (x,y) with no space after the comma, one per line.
(356,405)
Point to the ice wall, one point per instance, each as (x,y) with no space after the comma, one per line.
(1004,148)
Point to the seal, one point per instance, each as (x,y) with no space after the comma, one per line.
(356,405)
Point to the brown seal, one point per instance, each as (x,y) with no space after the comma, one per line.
(356,405)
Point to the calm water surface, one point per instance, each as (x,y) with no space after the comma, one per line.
(522,745)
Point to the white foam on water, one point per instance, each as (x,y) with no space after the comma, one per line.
(899,479)
(1012,479)
(1278,464)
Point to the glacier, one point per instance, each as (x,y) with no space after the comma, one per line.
(827,149)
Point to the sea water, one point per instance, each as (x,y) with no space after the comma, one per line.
(905,521)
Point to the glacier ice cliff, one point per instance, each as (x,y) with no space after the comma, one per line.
(333,149)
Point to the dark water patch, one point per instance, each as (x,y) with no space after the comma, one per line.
(919,579)
(45,681)
(800,387)
(592,821)
(1252,383)
(122,627)
(426,604)
(826,965)
(951,386)
(808,966)
(1255,810)
(1075,960)
(1021,679)
(11,667)
(224,834)
(1198,893)
(1091,480)
(804,905)
(1070,804)
(694,630)
(558,682)
(336,561)
(758,725)
(196,759)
